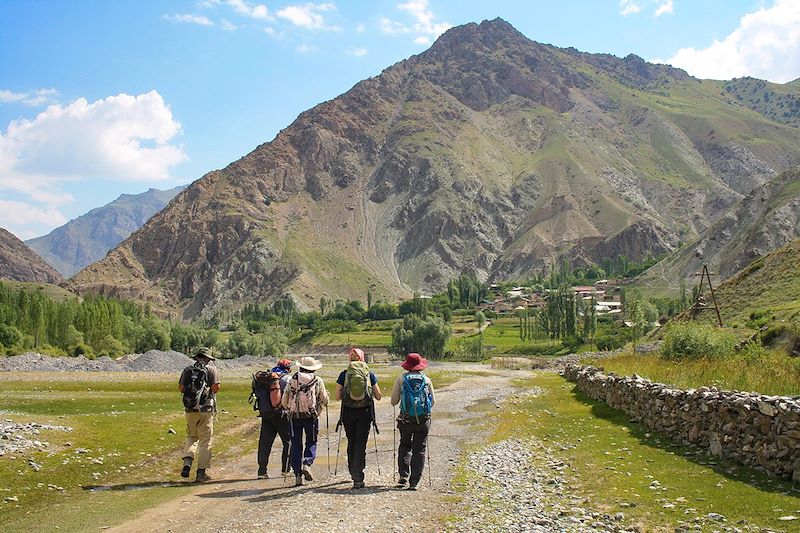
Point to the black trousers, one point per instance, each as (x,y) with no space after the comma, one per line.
(413,443)
(357,423)
(272,426)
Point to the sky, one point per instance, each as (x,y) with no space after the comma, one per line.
(100,98)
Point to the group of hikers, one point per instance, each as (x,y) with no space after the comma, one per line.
(290,406)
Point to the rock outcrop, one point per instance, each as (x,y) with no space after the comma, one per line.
(20,263)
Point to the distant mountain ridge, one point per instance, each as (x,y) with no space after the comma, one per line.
(88,238)
(764,220)
(20,263)
(488,153)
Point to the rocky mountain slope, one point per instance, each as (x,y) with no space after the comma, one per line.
(89,237)
(766,219)
(488,153)
(20,263)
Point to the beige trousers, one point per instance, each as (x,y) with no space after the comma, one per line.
(199,437)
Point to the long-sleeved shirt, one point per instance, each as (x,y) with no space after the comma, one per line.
(398,384)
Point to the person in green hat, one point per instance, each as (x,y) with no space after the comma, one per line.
(199,385)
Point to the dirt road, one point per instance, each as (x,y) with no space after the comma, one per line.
(236,501)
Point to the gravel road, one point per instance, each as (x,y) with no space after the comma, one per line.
(236,501)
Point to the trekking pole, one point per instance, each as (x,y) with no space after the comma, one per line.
(428,450)
(338,445)
(394,444)
(375,438)
(328,437)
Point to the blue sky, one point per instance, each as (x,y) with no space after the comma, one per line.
(98,97)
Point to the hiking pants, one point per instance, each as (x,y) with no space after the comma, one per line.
(411,454)
(272,426)
(304,455)
(199,437)
(357,423)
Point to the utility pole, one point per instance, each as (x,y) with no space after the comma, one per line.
(700,303)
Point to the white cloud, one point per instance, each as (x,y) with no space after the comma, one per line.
(765,45)
(360,28)
(358,52)
(188,18)
(424,22)
(27,220)
(34,98)
(227,25)
(308,16)
(629,7)
(272,32)
(119,138)
(305,49)
(666,8)
(255,11)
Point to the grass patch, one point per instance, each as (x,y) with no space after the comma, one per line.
(123,422)
(614,461)
(772,373)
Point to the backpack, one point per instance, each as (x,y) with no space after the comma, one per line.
(415,398)
(196,391)
(266,391)
(303,395)
(357,389)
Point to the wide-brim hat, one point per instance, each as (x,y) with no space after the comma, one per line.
(204,352)
(415,361)
(309,363)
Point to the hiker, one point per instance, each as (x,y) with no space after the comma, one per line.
(303,398)
(267,391)
(357,388)
(199,384)
(413,390)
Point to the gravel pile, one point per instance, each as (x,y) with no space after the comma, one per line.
(155,361)
(16,438)
(517,486)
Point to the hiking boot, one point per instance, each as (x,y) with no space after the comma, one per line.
(307,473)
(412,487)
(401,482)
(298,480)
(358,485)
(263,475)
(185,471)
(202,477)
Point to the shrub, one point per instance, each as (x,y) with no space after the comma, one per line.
(609,342)
(695,341)
(9,335)
(82,349)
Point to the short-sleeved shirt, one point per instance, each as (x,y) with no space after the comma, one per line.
(212,378)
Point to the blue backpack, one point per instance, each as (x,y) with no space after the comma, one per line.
(415,398)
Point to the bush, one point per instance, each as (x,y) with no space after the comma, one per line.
(9,335)
(572,343)
(82,349)
(609,342)
(695,341)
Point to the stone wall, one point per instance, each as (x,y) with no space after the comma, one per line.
(753,429)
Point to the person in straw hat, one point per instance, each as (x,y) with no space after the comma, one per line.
(304,398)
(413,390)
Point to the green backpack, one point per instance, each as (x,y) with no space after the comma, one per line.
(357,390)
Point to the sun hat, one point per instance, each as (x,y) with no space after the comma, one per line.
(415,361)
(309,363)
(204,352)
(358,352)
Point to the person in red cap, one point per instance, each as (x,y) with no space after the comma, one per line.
(414,392)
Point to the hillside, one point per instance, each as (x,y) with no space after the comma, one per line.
(772,282)
(89,237)
(777,102)
(488,153)
(766,219)
(20,263)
